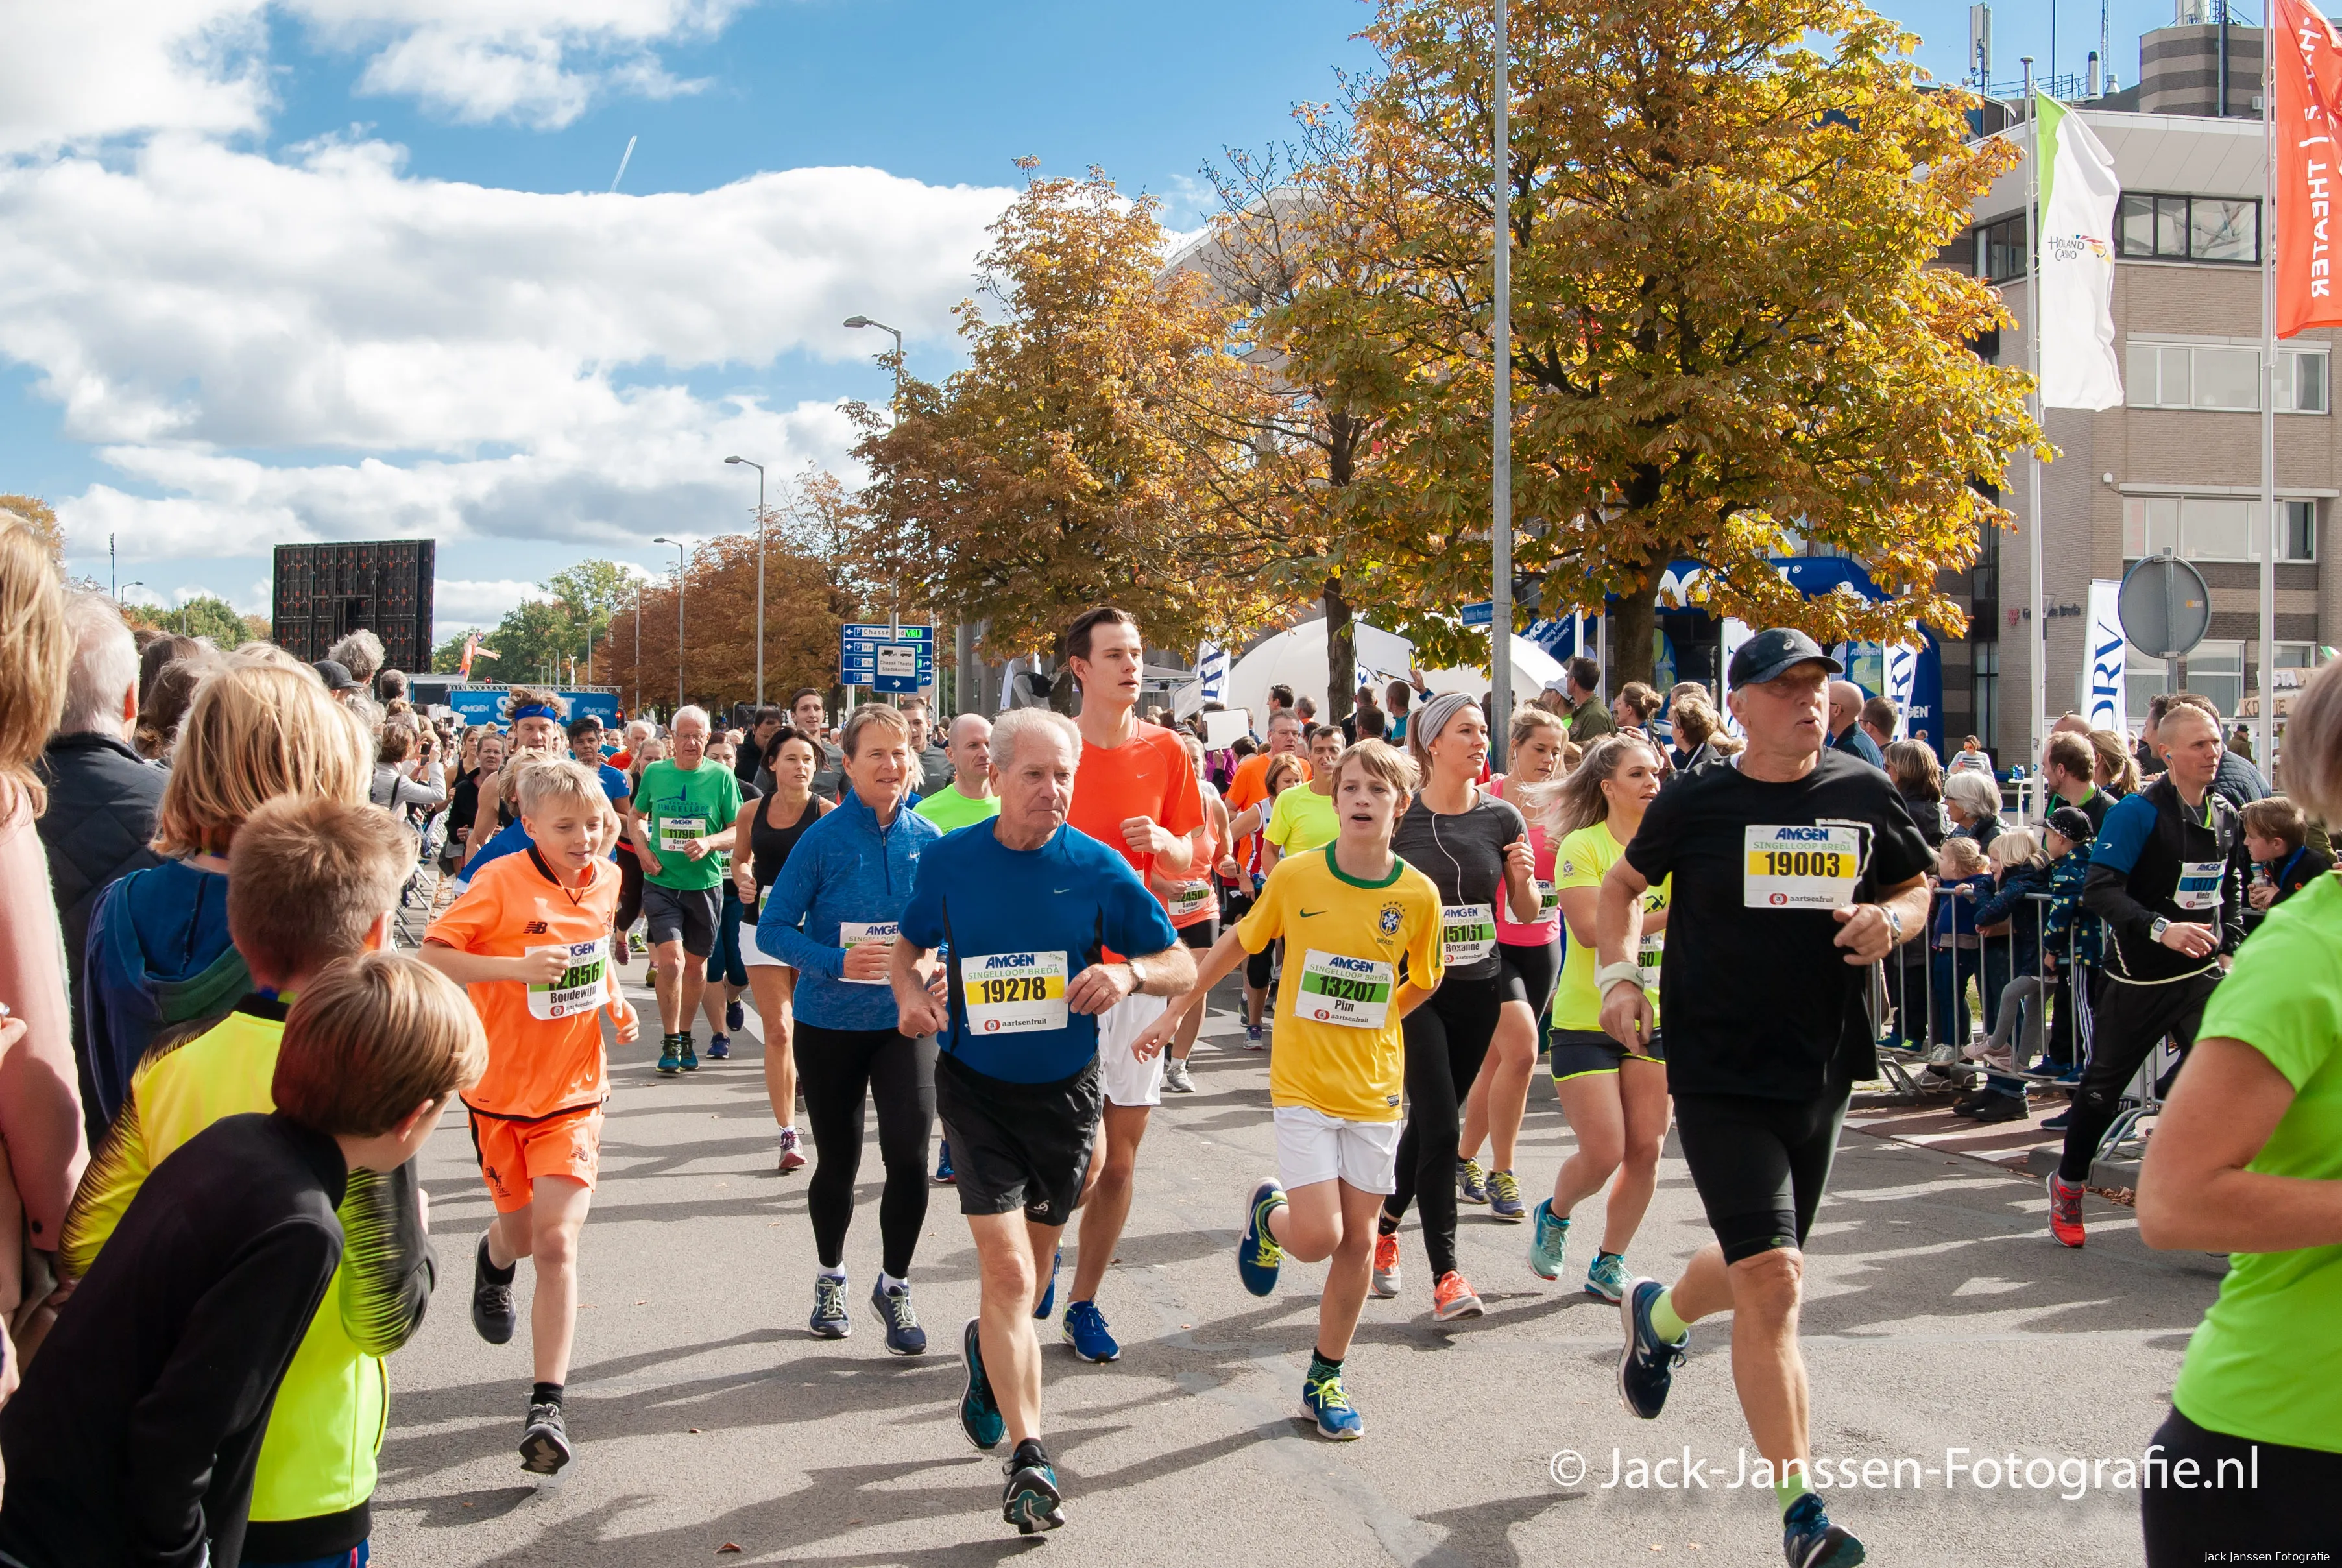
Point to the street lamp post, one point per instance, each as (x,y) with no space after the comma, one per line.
(1500,532)
(760,574)
(663,539)
(638,647)
(861,321)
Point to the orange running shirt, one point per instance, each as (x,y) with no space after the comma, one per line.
(1249,788)
(1147,775)
(545,1042)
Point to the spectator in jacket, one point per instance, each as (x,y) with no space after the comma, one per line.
(1588,719)
(1964,882)
(1919,779)
(2069,932)
(401,778)
(2113,767)
(2276,837)
(1880,719)
(159,952)
(2012,985)
(40,1106)
(136,1439)
(1847,734)
(164,701)
(1972,801)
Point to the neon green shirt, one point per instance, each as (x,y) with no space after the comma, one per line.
(1302,820)
(951,810)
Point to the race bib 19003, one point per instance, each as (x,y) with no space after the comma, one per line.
(1014,992)
(850,932)
(579,990)
(1467,933)
(2199,884)
(1354,993)
(1802,868)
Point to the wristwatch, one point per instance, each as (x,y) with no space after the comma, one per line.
(1894,925)
(2155,933)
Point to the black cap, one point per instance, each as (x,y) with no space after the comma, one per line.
(2071,823)
(336,674)
(1767,655)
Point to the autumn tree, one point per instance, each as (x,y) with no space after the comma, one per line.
(1724,328)
(43,519)
(1044,476)
(802,609)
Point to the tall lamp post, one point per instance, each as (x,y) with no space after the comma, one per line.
(1500,532)
(760,573)
(863,321)
(663,539)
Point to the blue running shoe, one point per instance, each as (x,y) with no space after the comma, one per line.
(943,1163)
(1647,1367)
(1471,1182)
(1808,1539)
(670,1060)
(1032,1502)
(1050,1297)
(735,1017)
(1322,1398)
(904,1335)
(1259,1256)
(1084,1330)
(1607,1277)
(829,1319)
(1505,1197)
(690,1057)
(979,1415)
(1549,1235)
(719,1046)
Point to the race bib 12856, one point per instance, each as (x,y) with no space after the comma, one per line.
(1801,868)
(579,990)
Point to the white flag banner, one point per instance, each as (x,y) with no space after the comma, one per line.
(2076,313)
(2102,678)
(1735,634)
(1902,679)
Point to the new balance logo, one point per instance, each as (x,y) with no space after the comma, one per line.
(534,928)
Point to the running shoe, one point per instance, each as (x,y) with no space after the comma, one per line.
(634,943)
(1176,1080)
(943,1163)
(735,1017)
(1607,1277)
(1471,1182)
(719,1046)
(792,1151)
(2057,1123)
(1322,1398)
(829,1319)
(1050,1297)
(2001,1106)
(2064,1210)
(690,1057)
(1808,1539)
(1453,1298)
(1258,1254)
(492,1304)
(1386,1276)
(904,1335)
(1252,1037)
(1505,1197)
(1032,1502)
(1084,1330)
(1647,1367)
(979,1414)
(623,953)
(1549,1235)
(545,1440)
(670,1060)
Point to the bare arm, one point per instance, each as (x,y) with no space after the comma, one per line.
(2193,1191)
(1864,931)
(479,969)
(1627,1015)
(1520,882)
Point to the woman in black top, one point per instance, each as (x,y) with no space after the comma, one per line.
(761,841)
(1475,848)
(464,801)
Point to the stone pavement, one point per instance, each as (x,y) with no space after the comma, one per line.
(1940,1317)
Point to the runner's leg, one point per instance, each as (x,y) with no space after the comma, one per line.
(903,1087)
(1642,1094)
(1592,1103)
(835,1066)
(674,1012)
(1008,1248)
(556,1213)
(1332,1221)
(772,987)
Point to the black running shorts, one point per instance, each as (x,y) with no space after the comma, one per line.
(687,913)
(1760,1165)
(1019,1145)
(1202,934)
(1577,1051)
(1525,973)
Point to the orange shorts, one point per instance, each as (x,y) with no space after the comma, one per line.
(514,1154)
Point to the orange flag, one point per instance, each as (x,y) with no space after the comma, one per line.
(2309,166)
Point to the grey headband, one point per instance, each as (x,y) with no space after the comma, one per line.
(1432,716)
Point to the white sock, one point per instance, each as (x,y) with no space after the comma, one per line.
(889,1284)
(787,1128)
(837,1274)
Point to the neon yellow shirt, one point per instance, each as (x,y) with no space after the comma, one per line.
(1583,860)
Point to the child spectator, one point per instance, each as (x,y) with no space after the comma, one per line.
(310,883)
(1964,882)
(2010,924)
(2276,837)
(136,1435)
(531,939)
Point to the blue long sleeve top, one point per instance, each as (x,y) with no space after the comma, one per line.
(846,869)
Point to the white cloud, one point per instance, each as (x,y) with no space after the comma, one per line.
(456,602)
(75,71)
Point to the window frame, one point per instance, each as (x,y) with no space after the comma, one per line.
(2173,213)
(2144,535)
(2141,389)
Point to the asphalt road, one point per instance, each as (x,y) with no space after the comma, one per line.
(1940,1317)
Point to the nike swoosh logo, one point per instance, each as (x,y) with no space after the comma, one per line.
(1061,892)
(1310,914)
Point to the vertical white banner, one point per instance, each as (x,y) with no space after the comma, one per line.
(1902,681)
(2102,670)
(1735,634)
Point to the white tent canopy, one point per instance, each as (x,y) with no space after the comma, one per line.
(1296,658)
(1532,668)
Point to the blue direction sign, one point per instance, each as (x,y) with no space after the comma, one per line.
(884,657)
(1479,614)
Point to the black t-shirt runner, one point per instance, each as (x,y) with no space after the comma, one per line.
(1758,998)
(1464,854)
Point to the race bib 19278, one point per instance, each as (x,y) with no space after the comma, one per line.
(1801,868)
(1354,993)
(580,989)
(1014,992)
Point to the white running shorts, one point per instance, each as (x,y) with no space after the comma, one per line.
(1313,1147)
(752,956)
(1127,1080)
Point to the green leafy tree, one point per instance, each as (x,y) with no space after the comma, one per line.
(206,615)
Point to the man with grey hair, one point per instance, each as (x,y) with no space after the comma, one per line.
(680,821)
(102,796)
(360,654)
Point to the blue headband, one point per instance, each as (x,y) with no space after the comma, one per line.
(535,711)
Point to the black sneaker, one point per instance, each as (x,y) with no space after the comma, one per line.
(1647,1367)
(545,1440)
(1970,1104)
(1999,1106)
(735,1017)
(1808,1539)
(492,1304)
(1032,1502)
(904,1335)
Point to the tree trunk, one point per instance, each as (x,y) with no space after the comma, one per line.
(1341,654)
(1062,694)
(1632,622)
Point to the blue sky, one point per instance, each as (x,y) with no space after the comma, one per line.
(335,278)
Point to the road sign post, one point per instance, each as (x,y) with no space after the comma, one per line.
(885,657)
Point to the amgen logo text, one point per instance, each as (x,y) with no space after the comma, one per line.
(1354,965)
(1802,834)
(1009,961)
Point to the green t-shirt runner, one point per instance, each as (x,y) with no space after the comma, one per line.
(2265,1364)
(677,804)
(951,810)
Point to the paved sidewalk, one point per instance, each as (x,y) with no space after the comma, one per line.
(1941,1316)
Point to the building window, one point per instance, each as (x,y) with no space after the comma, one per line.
(2189,228)
(2214,528)
(2000,250)
(2203,376)
(2216,670)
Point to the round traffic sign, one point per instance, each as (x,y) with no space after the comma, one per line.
(2164,607)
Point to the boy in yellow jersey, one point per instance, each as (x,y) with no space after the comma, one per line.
(530,938)
(310,883)
(1362,952)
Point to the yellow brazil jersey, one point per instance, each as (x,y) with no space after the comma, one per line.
(1583,860)
(1338,1048)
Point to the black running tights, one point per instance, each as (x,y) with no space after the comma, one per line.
(1446,1039)
(839,1070)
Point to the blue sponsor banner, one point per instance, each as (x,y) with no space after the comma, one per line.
(485,705)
